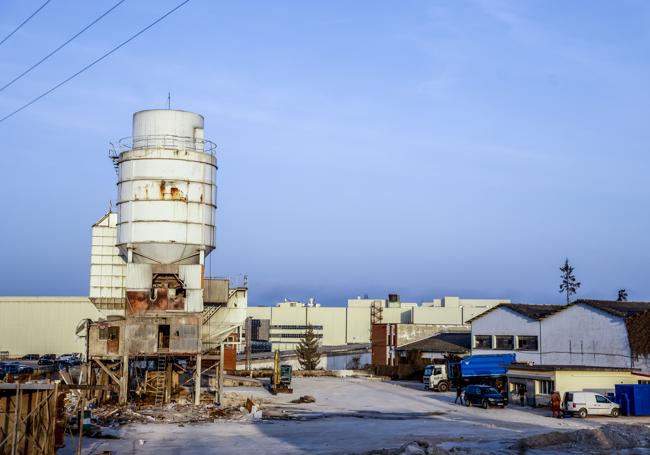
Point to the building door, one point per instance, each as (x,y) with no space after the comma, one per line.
(113,342)
(163,337)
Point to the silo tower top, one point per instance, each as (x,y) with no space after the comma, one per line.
(158,122)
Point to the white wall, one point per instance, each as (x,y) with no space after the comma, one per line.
(504,321)
(328,361)
(43,325)
(583,335)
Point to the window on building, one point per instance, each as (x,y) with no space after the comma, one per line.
(546,387)
(527,343)
(482,341)
(103,333)
(293,335)
(296,327)
(505,342)
(644,381)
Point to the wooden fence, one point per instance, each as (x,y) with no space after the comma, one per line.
(28,419)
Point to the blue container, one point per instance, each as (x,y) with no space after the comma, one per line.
(482,365)
(634,399)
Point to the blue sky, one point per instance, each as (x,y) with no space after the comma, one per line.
(427,148)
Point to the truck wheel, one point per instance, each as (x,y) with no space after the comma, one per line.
(615,412)
(468,403)
(443,387)
(485,404)
(582,413)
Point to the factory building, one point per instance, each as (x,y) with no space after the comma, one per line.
(50,322)
(284,324)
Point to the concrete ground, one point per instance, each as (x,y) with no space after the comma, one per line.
(351,415)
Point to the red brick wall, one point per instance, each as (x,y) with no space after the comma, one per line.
(383,338)
(379,343)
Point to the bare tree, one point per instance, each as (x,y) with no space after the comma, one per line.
(569,284)
(307,351)
(622,295)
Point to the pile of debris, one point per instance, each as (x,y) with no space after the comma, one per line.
(608,438)
(105,420)
(304,399)
(412,448)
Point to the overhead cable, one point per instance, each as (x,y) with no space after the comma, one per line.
(24,22)
(60,47)
(93,63)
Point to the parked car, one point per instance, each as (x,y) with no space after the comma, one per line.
(43,361)
(485,396)
(48,356)
(69,359)
(582,404)
(30,357)
(5,367)
(15,368)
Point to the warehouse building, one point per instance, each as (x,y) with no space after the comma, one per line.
(585,333)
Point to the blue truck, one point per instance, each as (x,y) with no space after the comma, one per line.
(487,369)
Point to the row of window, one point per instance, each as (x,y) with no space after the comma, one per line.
(506,342)
(293,335)
(296,327)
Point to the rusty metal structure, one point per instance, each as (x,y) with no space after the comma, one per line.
(163,231)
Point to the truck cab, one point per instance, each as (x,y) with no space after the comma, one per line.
(435,378)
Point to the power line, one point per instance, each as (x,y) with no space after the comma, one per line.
(93,63)
(24,22)
(60,47)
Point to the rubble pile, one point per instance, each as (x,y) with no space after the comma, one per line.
(608,437)
(412,448)
(304,399)
(106,419)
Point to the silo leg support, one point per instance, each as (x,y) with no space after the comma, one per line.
(197,380)
(124,380)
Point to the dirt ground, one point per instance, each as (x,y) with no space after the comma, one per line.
(361,415)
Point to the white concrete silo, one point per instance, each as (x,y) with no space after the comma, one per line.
(166,190)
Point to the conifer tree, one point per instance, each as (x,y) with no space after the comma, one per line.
(308,350)
(569,283)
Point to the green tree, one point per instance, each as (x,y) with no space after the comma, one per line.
(622,295)
(308,350)
(569,284)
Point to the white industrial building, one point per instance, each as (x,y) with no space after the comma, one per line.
(284,324)
(47,324)
(595,333)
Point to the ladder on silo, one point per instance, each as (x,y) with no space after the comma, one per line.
(161,379)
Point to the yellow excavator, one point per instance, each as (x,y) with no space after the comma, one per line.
(281,378)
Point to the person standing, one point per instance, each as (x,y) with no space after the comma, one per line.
(556,405)
(522,395)
(459,394)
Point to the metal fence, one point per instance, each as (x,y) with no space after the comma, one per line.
(162,141)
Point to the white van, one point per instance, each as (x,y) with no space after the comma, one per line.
(582,404)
